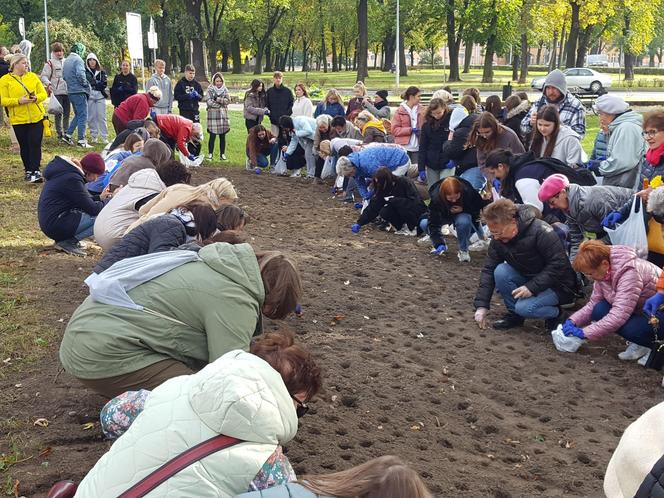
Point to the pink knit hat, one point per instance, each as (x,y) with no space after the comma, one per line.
(553,185)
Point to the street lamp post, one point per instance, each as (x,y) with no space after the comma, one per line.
(397,54)
(48,44)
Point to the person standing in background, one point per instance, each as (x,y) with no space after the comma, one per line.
(162,81)
(218,123)
(51,78)
(303,105)
(124,86)
(279,101)
(78,88)
(97,101)
(188,93)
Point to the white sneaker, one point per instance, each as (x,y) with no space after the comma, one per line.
(84,144)
(209,157)
(633,352)
(480,245)
(445,230)
(463,256)
(405,231)
(223,157)
(424,240)
(295,174)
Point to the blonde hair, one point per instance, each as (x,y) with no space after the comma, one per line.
(360,86)
(365,117)
(333,92)
(383,477)
(15,59)
(155,92)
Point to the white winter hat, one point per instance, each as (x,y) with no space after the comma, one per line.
(458,114)
(611,104)
(154,92)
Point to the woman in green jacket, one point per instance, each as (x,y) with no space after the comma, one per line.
(145,323)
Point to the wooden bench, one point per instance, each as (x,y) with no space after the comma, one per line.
(587,98)
(425,98)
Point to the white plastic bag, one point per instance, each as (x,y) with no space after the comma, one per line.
(631,232)
(190,164)
(563,343)
(54,107)
(280,167)
(328,168)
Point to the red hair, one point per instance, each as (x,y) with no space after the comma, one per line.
(450,186)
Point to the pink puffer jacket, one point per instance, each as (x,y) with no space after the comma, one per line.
(633,280)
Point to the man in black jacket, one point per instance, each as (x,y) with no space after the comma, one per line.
(527,264)
(188,92)
(279,101)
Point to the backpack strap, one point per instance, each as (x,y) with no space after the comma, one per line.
(178,463)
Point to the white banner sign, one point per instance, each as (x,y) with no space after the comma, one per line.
(134,37)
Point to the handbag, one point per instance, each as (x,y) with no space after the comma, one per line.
(656,357)
(632,232)
(67,489)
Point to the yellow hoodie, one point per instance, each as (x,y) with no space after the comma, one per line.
(11,91)
(371,124)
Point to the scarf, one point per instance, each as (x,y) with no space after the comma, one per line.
(381,104)
(187,219)
(654,156)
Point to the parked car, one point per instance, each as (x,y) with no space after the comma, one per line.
(597,60)
(580,77)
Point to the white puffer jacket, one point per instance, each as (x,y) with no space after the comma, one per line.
(238,395)
(120,212)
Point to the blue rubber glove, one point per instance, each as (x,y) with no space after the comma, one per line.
(593,165)
(258,171)
(355,228)
(286,156)
(298,309)
(496,184)
(611,219)
(191,157)
(358,205)
(153,116)
(450,164)
(439,250)
(423,176)
(194,95)
(416,131)
(368,196)
(652,304)
(570,329)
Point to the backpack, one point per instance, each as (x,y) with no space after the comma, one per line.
(580,176)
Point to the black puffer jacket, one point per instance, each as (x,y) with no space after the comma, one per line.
(432,140)
(162,233)
(537,253)
(455,149)
(402,188)
(439,213)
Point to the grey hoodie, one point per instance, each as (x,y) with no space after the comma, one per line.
(625,151)
(567,148)
(164,84)
(556,79)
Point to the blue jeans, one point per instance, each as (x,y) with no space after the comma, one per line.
(80,103)
(463,223)
(475,177)
(261,159)
(85,227)
(636,328)
(543,305)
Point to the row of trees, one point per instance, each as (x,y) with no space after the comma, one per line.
(336,36)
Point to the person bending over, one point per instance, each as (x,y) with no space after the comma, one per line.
(527,264)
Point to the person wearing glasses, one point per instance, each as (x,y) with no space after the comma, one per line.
(527,264)
(625,148)
(256,397)
(653,133)
(585,208)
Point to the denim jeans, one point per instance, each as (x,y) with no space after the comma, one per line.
(475,177)
(261,159)
(543,305)
(79,102)
(463,223)
(434,175)
(636,328)
(85,227)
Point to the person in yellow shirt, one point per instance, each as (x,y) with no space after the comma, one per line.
(22,93)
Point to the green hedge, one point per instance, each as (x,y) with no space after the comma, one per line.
(652,71)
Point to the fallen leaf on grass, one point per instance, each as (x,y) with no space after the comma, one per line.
(88,426)
(41,422)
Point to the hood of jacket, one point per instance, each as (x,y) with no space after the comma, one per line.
(60,166)
(556,79)
(92,56)
(156,151)
(146,179)
(237,263)
(373,124)
(566,133)
(214,76)
(627,117)
(523,107)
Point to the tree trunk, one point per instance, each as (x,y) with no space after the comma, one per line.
(553,51)
(487,73)
(515,65)
(194,10)
(335,59)
(323,50)
(160,26)
(467,56)
(629,57)
(260,51)
(183,52)
(573,36)
(225,55)
(305,56)
(389,42)
(563,40)
(403,66)
(236,55)
(268,57)
(362,53)
(453,47)
(538,57)
(584,41)
(651,56)
(524,58)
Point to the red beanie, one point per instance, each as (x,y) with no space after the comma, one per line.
(93,163)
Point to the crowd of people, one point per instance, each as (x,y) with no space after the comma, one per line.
(507,178)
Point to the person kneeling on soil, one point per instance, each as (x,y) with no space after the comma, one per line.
(385,476)
(623,282)
(363,164)
(181,133)
(454,201)
(255,398)
(528,265)
(193,221)
(66,210)
(208,302)
(396,200)
(261,148)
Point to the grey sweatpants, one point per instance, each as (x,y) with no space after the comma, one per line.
(97,119)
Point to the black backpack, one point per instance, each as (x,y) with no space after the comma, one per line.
(580,176)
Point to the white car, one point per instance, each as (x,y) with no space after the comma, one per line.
(581,78)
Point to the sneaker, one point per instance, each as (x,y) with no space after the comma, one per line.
(424,240)
(463,256)
(209,157)
(633,352)
(508,321)
(93,140)
(295,174)
(385,227)
(70,246)
(445,230)
(480,245)
(223,157)
(28,176)
(552,323)
(406,231)
(84,144)
(67,139)
(36,177)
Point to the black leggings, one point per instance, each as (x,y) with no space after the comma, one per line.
(250,123)
(296,160)
(29,138)
(399,211)
(222,143)
(320,163)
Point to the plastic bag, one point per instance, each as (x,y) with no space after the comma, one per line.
(280,168)
(54,107)
(632,232)
(328,169)
(190,164)
(563,343)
